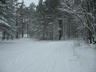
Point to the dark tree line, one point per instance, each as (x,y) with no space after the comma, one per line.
(49,20)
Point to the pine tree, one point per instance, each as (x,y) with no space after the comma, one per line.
(7,17)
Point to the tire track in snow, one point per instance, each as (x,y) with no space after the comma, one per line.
(23,61)
(52,62)
(42,56)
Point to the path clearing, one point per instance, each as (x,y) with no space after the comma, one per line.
(26,55)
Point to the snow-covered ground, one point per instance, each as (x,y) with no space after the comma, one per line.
(24,55)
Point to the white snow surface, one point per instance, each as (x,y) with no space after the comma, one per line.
(25,55)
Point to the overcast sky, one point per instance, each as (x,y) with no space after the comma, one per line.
(27,2)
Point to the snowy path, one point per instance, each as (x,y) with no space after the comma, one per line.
(26,55)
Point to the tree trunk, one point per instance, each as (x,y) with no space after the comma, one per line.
(27,30)
(43,33)
(22,29)
(17,29)
(17,35)
(59,34)
(60,29)
(3,35)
